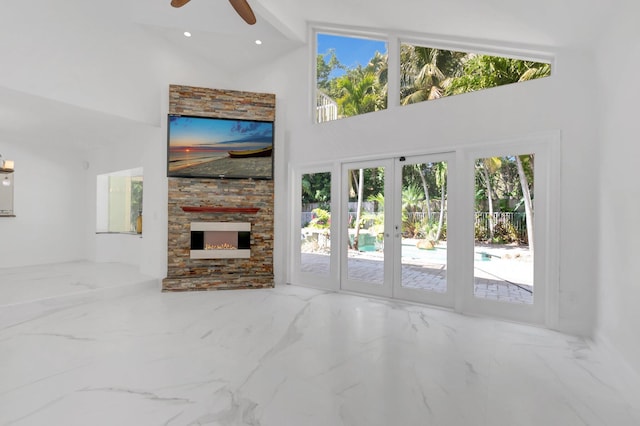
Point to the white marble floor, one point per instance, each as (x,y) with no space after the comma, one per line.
(290,356)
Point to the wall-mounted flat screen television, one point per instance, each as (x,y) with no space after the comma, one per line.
(207,147)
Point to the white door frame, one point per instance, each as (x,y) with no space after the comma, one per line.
(543,311)
(546,147)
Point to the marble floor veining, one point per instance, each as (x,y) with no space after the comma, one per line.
(290,356)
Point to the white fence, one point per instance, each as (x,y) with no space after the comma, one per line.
(326,108)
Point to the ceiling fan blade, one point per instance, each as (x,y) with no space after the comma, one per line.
(179,3)
(244,10)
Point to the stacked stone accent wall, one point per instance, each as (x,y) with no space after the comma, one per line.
(184,273)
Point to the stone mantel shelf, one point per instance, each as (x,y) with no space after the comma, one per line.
(201,209)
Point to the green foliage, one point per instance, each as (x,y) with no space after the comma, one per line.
(357,94)
(412,198)
(316,188)
(378,199)
(503,180)
(379,66)
(412,202)
(484,71)
(374,221)
(480,232)
(504,233)
(429,230)
(443,232)
(321,219)
(324,68)
(425,73)
(373,185)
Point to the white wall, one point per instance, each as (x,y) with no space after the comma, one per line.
(143,148)
(48,203)
(562,102)
(619,196)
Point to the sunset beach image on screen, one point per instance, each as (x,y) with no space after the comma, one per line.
(207,147)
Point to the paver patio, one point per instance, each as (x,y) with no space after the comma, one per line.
(424,276)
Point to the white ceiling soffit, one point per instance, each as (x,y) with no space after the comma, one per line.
(38,121)
(218,33)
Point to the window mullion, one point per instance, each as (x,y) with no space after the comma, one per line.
(393,85)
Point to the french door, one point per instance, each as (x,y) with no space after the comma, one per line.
(424,243)
(394,220)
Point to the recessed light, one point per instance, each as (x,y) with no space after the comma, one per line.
(187,34)
(258,42)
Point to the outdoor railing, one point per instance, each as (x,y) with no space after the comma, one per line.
(326,108)
(515,220)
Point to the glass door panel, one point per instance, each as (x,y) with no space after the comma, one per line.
(367,266)
(365,209)
(314,258)
(315,220)
(421,229)
(503,262)
(424,223)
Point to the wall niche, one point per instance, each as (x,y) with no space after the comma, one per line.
(193,200)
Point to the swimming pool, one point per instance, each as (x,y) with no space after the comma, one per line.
(436,255)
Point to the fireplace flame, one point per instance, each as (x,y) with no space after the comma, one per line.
(223,246)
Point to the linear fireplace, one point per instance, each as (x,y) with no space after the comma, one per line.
(220,240)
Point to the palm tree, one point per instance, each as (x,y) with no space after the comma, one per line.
(357,93)
(521,160)
(379,65)
(358,183)
(412,199)
(441,182)
(486,168)
(425,73)
(484,71)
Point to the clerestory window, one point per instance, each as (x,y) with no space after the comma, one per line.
(352,73)
(427,73)
(351,76)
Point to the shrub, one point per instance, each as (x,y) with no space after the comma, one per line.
(481,233)
(504,233)
(321,219)
(443,232)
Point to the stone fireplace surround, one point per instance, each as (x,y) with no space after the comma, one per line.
(219,200)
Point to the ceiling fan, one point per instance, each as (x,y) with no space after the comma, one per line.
(241,6)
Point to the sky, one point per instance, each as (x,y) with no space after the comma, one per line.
(351,51)
(194,131)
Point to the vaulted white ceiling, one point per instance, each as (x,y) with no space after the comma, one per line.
(114,58)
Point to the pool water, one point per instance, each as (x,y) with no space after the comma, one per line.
(436,255)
